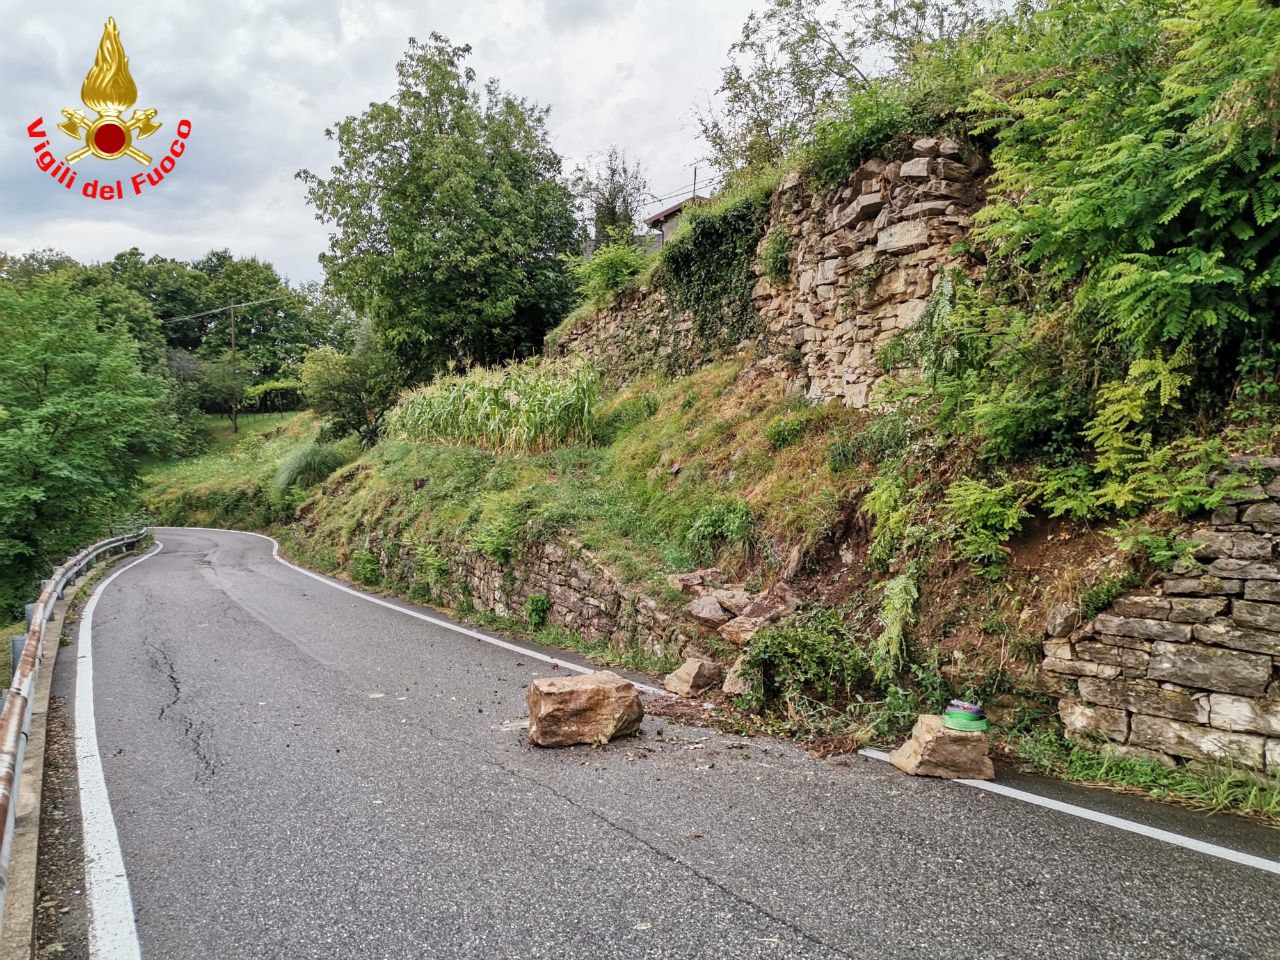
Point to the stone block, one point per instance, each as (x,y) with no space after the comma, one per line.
(945,169)
(740,630)
(926,147)
(1256,616)
(950,148)
(1210,668)
(1267,512)
(943,188)
(1213,544)
(1058,649)
(905,237)
(918,169)
(1081,720)
(1229,568)
(1062,620)
(735,681)
(693,677)
(1142,628)
(1202,586)
(1262,590)
(707,611)
(1143,607)
(935,751)
(1195,610)
(926,208)
(1196,742)
(594,708)
(1146,696)
(1244,714)
(1224,633)
(1272,753)
(1097,652)
(733,598)
(865,207)
(1080,668)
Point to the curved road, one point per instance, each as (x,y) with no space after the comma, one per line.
(295,772)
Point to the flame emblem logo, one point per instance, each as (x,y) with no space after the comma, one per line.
(108,90)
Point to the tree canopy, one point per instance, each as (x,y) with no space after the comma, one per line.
(449,217)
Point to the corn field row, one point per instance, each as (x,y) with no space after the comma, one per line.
(520,408)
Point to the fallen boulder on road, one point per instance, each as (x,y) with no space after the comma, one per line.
(593,708)
(936,751)
(693,677)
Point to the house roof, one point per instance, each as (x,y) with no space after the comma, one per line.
(664,215)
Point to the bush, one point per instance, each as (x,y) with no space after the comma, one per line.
(785,430)
(869,120)
(536,609)
(611,269)
(520,408)
(365,568)
(813,656)
(308,466)
(984,517)
(724,522)
(775,256)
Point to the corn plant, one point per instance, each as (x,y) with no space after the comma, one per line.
(520,408)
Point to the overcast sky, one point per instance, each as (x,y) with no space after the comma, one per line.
(260,82)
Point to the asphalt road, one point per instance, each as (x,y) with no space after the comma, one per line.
(295,772)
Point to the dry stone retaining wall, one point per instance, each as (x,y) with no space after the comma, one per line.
(864,260)
(584,595)
(1191,669)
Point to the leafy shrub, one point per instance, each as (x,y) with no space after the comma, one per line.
(984,517)
(868,121)
(785,430)
(775,255)
(274,396)
(1100,596)
(812,656)
(308,466)
(896,617)
(726,521)
(519,408)
(365,568)
(498,533)
(611,269)
(536,609)
(431,568)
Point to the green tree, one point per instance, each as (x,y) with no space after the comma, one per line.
(449,216)
(353,390)
(612,190)
(78,411)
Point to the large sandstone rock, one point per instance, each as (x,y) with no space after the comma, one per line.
(1244,714)
(593,708)
(740,630)
(733,599)
(935,751)
(1147,696)
(693,677)
(1080,720)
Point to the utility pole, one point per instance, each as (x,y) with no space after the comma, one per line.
(235,378)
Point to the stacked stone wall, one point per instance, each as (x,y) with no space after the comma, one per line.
(1189,670)
(864,259)
(584,596)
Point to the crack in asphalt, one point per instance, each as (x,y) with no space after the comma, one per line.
(195,732)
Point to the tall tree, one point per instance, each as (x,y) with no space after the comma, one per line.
(612,190)
(450,217)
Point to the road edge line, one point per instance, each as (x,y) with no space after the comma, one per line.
(113,935)
(1106,819)
(426,618)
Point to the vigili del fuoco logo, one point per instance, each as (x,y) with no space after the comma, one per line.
(108,90)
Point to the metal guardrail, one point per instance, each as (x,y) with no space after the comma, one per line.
(15,717)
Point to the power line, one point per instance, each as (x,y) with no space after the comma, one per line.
(227,306)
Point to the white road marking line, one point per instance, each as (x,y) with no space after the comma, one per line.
(426,618)
(1119,823)
(112,933)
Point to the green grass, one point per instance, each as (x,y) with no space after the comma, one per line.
(1212,787)
(6,661)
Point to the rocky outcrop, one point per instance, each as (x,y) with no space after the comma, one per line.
(594,708)
(936,751)
(1190,669)
(864,259)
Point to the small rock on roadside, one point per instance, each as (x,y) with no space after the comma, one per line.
(707,611)
(693,677)
(936,751)
(735,681)
(593,708)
